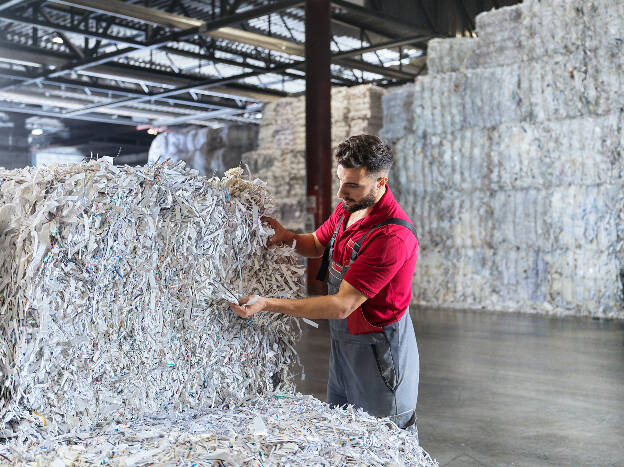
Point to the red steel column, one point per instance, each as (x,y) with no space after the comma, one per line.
(318,124)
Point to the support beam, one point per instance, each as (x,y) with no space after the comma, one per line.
(43,113)
(164,19)
(172,92)
(69,44)
(382,45)
(41,97)
(139,13)
(161,18)
(207,115)
(97,87)
(69,30)
(11,4)
(318,124)
(128,73)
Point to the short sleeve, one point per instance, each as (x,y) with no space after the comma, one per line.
(379,261)
(326,230)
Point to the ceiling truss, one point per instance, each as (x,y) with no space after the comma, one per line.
(170,62)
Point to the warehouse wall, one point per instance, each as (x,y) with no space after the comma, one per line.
(509,160)
(14,145)
(280,157)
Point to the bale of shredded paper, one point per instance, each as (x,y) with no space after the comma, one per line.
(114,288)
(277,430)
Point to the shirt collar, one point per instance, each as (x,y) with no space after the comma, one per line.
(380,210)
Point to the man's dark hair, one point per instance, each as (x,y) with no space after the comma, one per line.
(365,151)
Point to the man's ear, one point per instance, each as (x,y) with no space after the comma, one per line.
(381,181)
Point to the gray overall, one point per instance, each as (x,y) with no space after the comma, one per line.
(376,371)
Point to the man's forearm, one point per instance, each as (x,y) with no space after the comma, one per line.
(338,306)
(323,307)
(305,245)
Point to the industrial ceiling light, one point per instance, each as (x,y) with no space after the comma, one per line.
(152,131)
(37,132)
(57,40)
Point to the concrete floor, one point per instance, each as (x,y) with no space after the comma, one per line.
(509,389)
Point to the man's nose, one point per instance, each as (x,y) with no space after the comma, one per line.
(341,192)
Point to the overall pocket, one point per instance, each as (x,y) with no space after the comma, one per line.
(387,364)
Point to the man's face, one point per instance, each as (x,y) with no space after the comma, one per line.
(358,189)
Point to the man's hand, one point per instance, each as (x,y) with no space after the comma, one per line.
(281,234)
(245,311)
(307,244)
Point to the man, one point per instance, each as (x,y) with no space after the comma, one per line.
(371,247)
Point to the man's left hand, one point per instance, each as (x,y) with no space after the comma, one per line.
(245,311)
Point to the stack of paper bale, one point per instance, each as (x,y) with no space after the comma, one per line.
(115,326)
(209,150)
(509,160)
(283,124)
(280,156)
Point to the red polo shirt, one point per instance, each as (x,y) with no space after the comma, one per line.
(385,265)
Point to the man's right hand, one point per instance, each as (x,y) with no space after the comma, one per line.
(281,234)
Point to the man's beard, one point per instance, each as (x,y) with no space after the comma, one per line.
(364,203)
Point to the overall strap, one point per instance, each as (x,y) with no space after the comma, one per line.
(394,221)
(327,254)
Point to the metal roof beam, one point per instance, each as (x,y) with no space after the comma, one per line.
(379,70)
(172,92)
(162,18)
(205,115)
(47,113)
(70,46)
(380,19)
(12,3)
(129,73)
(245,64)
(173,37)
(216,82)
(77,84)
(39,97)
(383,45)
(203,85)
(133,12)
(83,32)
(237,35)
